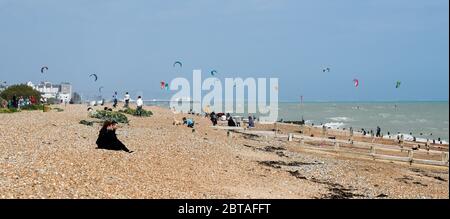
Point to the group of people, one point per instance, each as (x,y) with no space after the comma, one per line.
(18,102)
(126,100)
(232,122)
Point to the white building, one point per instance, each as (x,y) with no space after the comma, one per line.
(48,90)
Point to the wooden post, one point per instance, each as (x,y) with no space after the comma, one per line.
(372,151)
(336,146)
(290,136)
(410,156)
(445,157)
(276,128)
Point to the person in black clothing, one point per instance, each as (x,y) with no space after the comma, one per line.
(108,140)
(378,131)
(14,101)
(213,118)
(231,122)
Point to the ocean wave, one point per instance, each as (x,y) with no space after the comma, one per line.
(341,119)
(408,137)
(421,120)
(384,115)
(334,125)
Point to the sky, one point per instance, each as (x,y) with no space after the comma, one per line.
(132,44)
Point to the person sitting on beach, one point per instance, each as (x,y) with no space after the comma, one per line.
(108,140)
(231,122)
(189,122)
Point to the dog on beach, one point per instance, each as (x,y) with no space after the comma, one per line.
(176,122)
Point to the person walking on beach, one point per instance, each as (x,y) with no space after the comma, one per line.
(378,131)
(126,99)
(139,104)
(213,118)
(108,140)
(251,121)
(115,100)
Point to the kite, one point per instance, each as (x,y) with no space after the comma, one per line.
(398,84)
(179,63)
(326,70)
(167,86)
(163,84)
(213,72)
(356,82)
(42,69)
(95,76)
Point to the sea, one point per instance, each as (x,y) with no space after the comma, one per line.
(422,119)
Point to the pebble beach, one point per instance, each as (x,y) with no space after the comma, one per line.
(51,155)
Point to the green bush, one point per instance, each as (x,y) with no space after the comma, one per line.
(6,110)
(144,113)
(19,90)
(110,116)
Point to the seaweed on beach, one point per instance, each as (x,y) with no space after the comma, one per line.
(144,113)
(88,123)
(272,149)
(105,115)
(336,191)
(382,196)
(278,164)
(58,109)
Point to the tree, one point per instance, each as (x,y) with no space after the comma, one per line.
(20,90)
(76,98)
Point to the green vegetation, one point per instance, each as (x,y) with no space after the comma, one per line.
(6,110)
(23,108)
(110,116)
(144,113)
(20,90)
